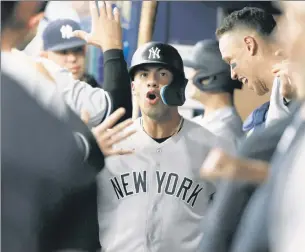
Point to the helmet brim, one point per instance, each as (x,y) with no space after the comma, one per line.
(190,64)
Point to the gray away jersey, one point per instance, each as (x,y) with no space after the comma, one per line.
(224,122)
(287,200)
(34,83)
(154,199)
(78,95)
(287,212)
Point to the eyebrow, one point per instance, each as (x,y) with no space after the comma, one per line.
(147,69)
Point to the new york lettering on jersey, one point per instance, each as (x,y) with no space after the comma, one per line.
(157,189)
(168,183)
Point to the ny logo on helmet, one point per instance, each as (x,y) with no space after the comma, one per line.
(66,31)
(154,53)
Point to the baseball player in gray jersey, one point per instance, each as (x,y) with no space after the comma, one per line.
(211,85)
(78,95)
(272,219)
(286,219)
(69,53)
(244,45)
(153,199)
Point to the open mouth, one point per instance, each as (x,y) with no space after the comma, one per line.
(152,97)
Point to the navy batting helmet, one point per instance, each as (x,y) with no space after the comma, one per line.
(213,74)
(167,56)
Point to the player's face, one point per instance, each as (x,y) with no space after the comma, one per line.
(239,52)
(192,91)
(71,59)
(146,86)
(291,25)
(26,20)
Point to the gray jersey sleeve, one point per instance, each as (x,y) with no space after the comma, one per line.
(78,95)
(286,214)
(34,83)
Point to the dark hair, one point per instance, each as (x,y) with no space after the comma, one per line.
(43,6)
(251,17)
(8,8)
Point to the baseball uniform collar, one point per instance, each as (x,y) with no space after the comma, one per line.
(174,137)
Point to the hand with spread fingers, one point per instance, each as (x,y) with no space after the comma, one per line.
(283,70)
(219,165)
(106,31)
(107,136)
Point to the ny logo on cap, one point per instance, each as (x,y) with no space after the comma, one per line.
(154,53)
(66,31)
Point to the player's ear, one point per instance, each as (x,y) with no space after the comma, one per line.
(133,88)
(34,21)
(251,45)
(43,54)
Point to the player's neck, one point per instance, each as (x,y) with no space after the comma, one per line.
(271,57)
(6,47)
(266,73)
(162,128)
(217,102)
(9,41)
(268,80)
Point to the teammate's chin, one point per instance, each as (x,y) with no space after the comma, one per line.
(154,111)
(259,88)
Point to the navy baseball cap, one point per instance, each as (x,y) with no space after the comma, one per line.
(57,35)
(205,56)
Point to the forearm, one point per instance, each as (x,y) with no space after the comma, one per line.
(117,81)
(78,95)
(257,169)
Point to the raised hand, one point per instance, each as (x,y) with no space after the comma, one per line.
(107,137)
(106,31)
(284,71)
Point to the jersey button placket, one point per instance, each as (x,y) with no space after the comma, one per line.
(153,226)
(152,194)
(159,151)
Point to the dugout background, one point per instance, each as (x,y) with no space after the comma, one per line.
(180,23)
